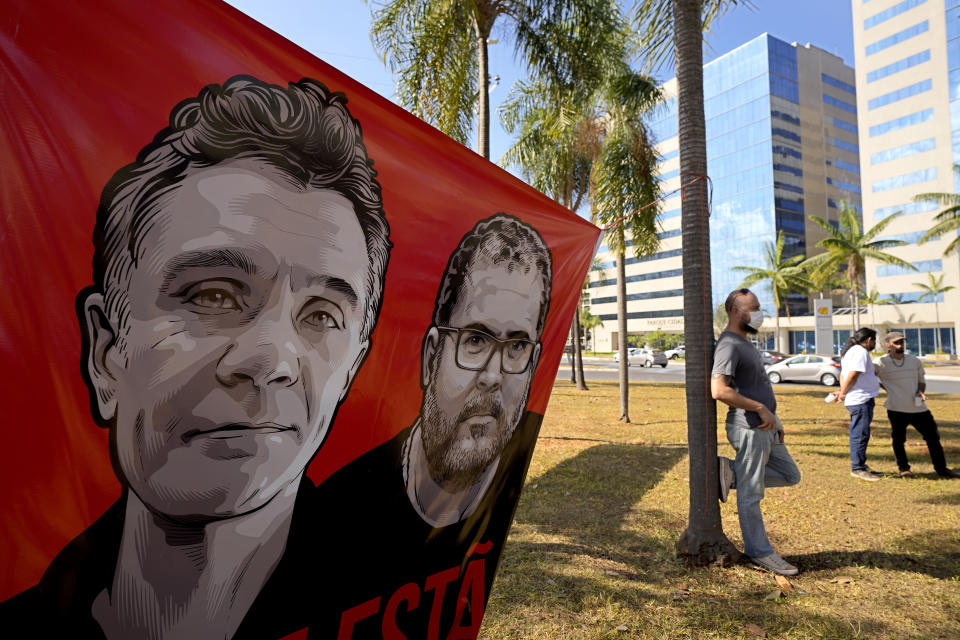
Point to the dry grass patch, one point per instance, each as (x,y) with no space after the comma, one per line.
(591,552)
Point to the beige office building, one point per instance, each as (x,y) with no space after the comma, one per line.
(781,146)
(908,75)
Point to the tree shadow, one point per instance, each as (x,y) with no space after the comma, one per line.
(950,498)
(601,486)
(935,553)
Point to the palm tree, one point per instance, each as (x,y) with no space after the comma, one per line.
(594,145)
(947,220)
(872,299)
(784,276)
(589,322)
(849,246)
(932,288)
(439,50)
(703,542)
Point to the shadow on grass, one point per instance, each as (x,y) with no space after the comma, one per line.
(952,498)
(593,492)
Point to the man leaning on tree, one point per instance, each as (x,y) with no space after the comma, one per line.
(753,429)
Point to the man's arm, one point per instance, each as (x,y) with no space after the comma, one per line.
(721,390)
(921,382)
(846,384)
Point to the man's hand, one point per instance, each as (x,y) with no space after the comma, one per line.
(922,395)
(767,419)
(839,396)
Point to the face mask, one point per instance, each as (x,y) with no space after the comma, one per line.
(756,319)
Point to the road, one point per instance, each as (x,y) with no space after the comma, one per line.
(675,372)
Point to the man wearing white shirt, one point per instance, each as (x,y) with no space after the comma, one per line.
(858,388)
(902,377)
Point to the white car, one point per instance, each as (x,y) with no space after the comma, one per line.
(632,353)
(677,352)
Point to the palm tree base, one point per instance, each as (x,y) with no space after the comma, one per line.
(703,548)
(624,418)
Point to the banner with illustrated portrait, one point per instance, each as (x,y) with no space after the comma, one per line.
(275,352)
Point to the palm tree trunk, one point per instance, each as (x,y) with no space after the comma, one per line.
(703,542)
(856,309)
(936,329)
(483,100)
(622,329)
(577,353)
(776,320)
(573,342)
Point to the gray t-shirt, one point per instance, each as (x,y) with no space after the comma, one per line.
(737,358)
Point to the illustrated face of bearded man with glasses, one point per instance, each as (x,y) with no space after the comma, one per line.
(478,361)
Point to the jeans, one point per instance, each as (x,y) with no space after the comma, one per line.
(924,423)
(762,461)
(861,415)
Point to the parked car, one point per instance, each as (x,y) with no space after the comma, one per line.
(648,357)
(677,352)
(822,369)
(772,357)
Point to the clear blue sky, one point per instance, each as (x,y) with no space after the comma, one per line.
(338,31)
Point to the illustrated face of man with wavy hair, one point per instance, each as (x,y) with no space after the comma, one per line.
(243,311)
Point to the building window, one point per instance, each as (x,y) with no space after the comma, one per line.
(895,182)
(923,266)
(899,65)
(840,84)
(846,166)
(846,126)
(902,122)
(903,151)
(907,209)
(900,94)
(839,103)
(846,146)
(898,37)
(909,238)
(892,12)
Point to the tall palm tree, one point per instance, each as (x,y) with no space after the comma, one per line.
(783,275)
(872,299)
(589,322)
(703,542)
(932,288)
(947,220)
(594,145)
(439,50)
(850,246)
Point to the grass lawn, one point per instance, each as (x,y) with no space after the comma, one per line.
(591,551)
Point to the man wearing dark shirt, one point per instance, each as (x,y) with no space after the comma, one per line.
(753,429)
(427,513)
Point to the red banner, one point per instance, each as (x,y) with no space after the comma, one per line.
(315,337)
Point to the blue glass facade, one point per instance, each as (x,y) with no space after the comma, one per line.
(751,103)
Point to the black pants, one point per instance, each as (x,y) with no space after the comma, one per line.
(922,422)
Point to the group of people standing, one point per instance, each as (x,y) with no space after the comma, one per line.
(740,381)
(902,376)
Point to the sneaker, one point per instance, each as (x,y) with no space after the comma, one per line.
(879,474)
(948,473)
(726,476)
(775,563)
(864,474)
(906,473)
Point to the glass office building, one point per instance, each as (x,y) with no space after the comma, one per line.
(781,124)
